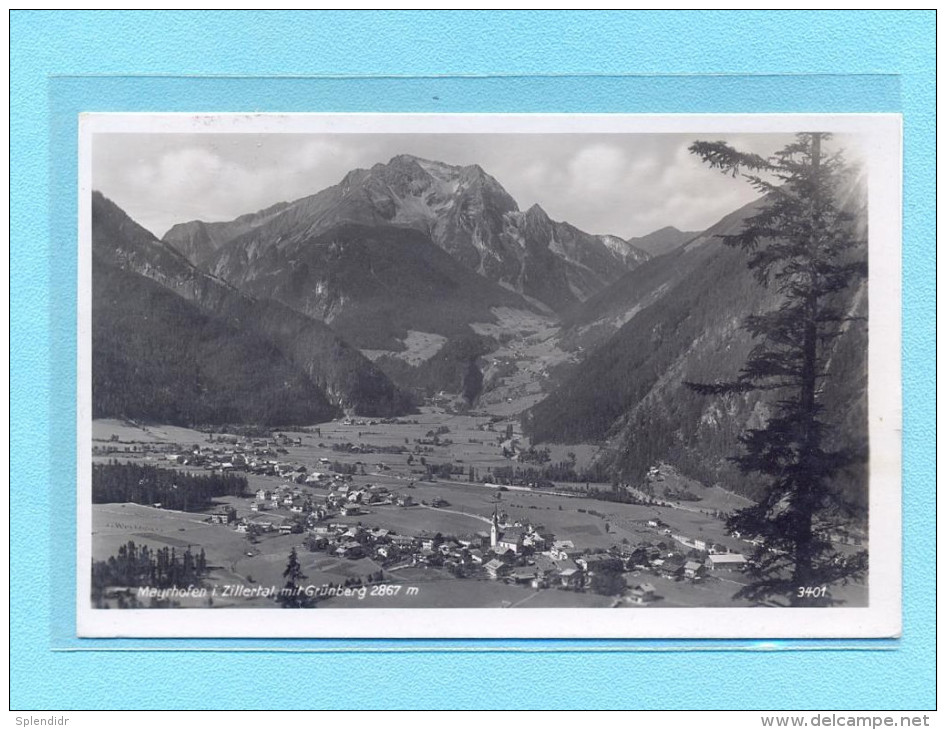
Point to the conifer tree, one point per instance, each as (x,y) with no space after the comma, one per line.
(803,243)
(293,593)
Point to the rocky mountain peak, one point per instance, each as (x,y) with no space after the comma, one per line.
(463,209)
(537,212)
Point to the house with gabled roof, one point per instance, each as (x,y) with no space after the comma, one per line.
(496,568)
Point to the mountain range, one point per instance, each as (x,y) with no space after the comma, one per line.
(462,210)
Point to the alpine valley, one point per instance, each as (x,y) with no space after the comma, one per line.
(417,281)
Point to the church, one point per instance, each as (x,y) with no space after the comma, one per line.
(502,541)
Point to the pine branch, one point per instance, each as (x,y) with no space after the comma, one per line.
(719,155)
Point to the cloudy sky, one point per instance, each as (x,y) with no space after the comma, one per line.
(627,184)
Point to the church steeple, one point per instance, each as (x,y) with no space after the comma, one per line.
(494,529)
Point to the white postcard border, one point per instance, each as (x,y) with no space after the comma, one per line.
(881,618)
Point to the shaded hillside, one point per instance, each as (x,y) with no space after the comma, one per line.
(372,284)
(463,210)
(682,321)
(347,379)
(641,354)
(157,357)
(594,321)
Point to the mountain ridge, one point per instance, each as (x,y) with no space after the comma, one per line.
(464,210)
(663,240)
(348,380)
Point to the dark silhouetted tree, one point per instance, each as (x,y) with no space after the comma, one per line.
(293,594)
(803,243)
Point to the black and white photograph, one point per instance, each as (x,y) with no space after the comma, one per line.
(555,364)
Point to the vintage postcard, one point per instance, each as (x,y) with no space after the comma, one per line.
(354,375)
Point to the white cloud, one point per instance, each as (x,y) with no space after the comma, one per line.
(597,169)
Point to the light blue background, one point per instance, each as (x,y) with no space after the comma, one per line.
(66,62)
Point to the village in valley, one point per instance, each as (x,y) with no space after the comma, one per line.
(413,512)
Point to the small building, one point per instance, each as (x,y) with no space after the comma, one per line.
(672,566)
(351,550)
(224,517)
(386,551)
(598,562)
(570,577)
(496,568)
(523,575)
(428,557)
(642,595)
(726,561)
(544,566)
(563,550)
(534,540)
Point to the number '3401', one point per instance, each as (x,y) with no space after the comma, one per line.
(812,591)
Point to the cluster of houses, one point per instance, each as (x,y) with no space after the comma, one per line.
(256,459)
(477,555)
(528,554)
(512,551)
(291,507)
(226,453)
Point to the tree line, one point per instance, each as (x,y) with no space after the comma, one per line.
(141,566)
(562,471)
(145,484)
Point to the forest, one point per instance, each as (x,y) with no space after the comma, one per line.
(157,357)
(152,485)
(141,566)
